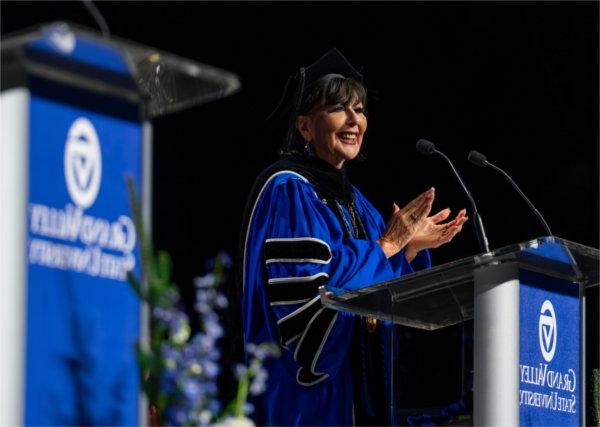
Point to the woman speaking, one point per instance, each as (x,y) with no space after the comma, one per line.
(305,226)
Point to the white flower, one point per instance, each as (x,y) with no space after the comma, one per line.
(236,422)
(182,334)
(205,416)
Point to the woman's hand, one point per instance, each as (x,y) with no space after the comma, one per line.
(433,234)
(405,223)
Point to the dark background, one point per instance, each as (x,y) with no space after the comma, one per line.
(517,81)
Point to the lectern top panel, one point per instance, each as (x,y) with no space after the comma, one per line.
(443,295)
(160,82)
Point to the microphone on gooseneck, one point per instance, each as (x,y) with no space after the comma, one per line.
(427,147)
(480,160)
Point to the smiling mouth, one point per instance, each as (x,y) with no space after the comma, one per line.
(348,137)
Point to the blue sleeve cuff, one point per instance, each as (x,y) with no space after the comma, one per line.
(401,266)
(421,262)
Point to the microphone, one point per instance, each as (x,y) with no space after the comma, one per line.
(427,147)
(480,160)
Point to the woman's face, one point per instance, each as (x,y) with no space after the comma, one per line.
(335,131)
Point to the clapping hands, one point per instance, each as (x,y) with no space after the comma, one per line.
(412,228)
(433,233)
(405,223)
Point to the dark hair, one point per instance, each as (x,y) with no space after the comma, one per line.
(327,91)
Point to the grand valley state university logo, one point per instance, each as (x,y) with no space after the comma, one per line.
(83,163)
(547,331)
(545,387)
(66,238)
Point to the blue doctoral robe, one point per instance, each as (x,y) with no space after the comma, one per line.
(298,237)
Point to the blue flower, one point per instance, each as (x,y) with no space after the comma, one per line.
(224,258)
(210,316)
(191,389)
(214,406)
(248,408)
(251,348)
(211,369)
(257,388)
(203,343)
(210,387)
(259,382)
(208,280)
(262,351)
(162,314)
(202,307)
(213,329)
(240,370)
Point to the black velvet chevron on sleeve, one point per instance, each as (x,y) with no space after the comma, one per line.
(294,290)
(310,345)
(292,326)
(296,250)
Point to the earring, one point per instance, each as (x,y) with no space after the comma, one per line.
(307,146)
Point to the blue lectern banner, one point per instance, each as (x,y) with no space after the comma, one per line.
(82,318)
(549,351)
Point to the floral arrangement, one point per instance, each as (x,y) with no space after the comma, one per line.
(179,369)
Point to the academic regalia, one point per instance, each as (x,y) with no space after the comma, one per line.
(306,226)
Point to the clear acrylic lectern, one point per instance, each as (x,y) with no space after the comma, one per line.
(528,305)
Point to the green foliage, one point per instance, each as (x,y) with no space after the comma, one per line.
(596,396)
(153,289)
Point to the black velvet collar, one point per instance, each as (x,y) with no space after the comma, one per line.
(330,182)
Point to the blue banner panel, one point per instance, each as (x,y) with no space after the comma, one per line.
(59,39)
(549,371)
(82,317)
